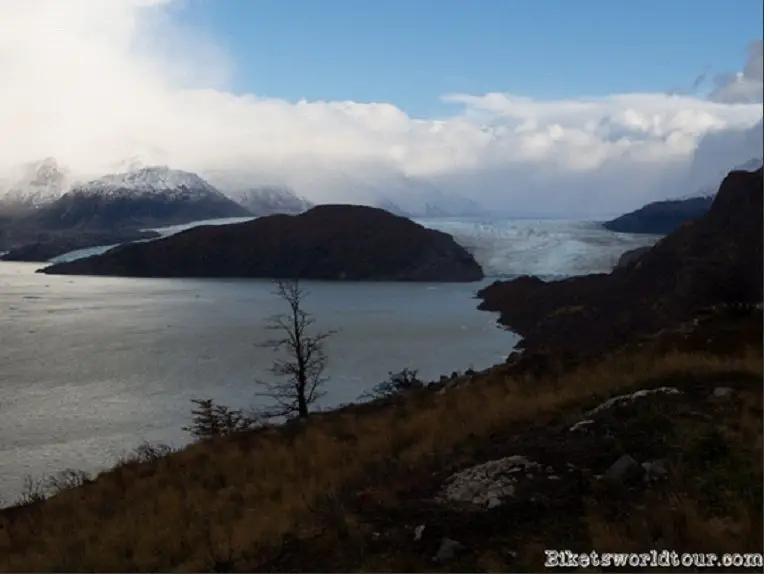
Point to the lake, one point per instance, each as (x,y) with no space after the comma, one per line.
(92,366)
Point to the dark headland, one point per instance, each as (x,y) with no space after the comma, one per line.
(714,259)
(328,242)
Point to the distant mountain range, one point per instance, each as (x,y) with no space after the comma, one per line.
(663,217)
(44,209)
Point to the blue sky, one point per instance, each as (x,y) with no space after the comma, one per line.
(410,52)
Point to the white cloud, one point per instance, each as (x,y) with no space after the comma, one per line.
(94,82)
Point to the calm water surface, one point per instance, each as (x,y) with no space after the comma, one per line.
(90,367)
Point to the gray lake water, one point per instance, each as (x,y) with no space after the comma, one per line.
(90,367)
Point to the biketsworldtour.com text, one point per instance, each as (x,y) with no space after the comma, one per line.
(651,559)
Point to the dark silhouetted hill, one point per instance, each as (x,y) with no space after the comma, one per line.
(329,242)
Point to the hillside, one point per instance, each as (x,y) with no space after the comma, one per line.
(715,259)
(330,242)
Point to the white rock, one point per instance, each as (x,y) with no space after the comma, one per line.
(580,425)
(623,399)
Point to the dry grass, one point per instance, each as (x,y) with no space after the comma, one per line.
(228,504)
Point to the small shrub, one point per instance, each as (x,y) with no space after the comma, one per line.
(67,480)
(396,384)
(150,452)
(32,490)
(210,420)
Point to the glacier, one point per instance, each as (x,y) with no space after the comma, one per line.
(504,247)
(550,249)
(163,231)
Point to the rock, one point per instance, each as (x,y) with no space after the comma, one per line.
(723,392)
(328,242)
(580,426)
(448,549)
(621,468)
(625,399)
(654,471)
(493,502)
(553,477)
(699,415)
(480,484)
(418,531)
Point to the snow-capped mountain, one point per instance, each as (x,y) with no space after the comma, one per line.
(154,180)
(145,197)
(267,200)
(258,197)
(36,184)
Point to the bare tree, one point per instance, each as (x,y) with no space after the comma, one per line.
(301,372)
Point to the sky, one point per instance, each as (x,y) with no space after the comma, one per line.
(548,107)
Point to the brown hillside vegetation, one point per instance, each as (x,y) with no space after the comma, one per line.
(328,242)
(347,490)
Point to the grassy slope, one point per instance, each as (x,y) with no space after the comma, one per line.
(345,490)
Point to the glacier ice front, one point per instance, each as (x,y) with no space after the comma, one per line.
(508,248)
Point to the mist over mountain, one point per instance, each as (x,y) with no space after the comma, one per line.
(34,184)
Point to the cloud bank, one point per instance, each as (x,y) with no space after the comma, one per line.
(95,83)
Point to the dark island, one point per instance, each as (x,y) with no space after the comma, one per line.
(328,242)
(715,259)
